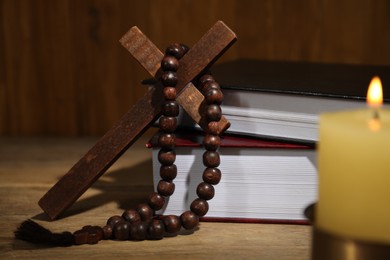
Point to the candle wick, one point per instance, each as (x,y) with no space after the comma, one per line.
(376,114)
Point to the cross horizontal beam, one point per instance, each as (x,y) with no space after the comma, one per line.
(149,56)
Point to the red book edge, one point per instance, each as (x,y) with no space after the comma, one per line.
(256,220)
(252,220)
(194,139)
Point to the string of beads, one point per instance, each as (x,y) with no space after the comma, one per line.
(141,222)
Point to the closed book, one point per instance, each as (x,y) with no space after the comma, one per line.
(262,181)
(283,100)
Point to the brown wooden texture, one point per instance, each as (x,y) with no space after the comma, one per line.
(122,135)
(28,166)
(63,72)
(102,155)
(189,97)
(143,50)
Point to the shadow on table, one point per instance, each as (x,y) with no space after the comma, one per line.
(127,187)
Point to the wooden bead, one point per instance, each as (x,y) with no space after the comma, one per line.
(121,230)
(165,188)
(169,63)
(107,232)
(167,124)
(212,175)
(131,216)
(166,140)
(170,108)
(96,232)
(213,96)
(156,229)
(204,80)
(172,224)
(200,207)
(211,142)
(138,231)
(156,201)
(168,172)
(189,220)
(205,191)
(167,157)
(213,128)
(145,211)
(175,50)
(210,85)
(213,112)
(113,220)
(169,78)
(88,235)
(211,159)
(185,48)
(80,237)
(170,93)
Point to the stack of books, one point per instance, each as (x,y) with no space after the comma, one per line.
(262,181)
(268,156)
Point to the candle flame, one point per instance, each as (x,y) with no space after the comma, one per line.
(374,93)
(375,100)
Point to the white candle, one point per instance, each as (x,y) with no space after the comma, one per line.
(354,174)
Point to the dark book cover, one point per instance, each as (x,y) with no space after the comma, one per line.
(301,78)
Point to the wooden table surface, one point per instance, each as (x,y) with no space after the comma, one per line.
(30,166)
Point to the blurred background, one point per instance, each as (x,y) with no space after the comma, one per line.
(63,71)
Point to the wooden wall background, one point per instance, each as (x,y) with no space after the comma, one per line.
(63,71)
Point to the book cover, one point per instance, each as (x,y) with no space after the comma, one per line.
(345,81)
(262,181)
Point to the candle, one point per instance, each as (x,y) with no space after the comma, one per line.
(354,173)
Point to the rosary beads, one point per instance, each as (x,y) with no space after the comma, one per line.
(141,222)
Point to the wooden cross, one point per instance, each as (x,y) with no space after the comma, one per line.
(143,114)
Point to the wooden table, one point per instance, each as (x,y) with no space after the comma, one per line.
(30,166)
